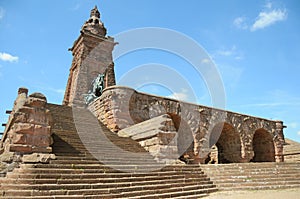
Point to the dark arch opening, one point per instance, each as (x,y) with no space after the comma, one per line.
(263,146)
(185,140)
(228,144)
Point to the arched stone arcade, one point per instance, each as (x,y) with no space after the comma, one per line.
(236,136)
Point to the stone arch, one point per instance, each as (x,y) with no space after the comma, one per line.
(263,146)
(228,144)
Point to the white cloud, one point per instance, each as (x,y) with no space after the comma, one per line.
(205,61)
(2,13)
(227,52)
(8,57)
(240,22)
(298,133)
(268,16)
(266,19)
(231,52)
(182,95)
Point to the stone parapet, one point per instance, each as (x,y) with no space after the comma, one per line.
(28,127)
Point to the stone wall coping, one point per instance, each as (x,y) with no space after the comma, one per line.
(184,102)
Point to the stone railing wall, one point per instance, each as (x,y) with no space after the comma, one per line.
(121,107)
(158,136)
(27,134)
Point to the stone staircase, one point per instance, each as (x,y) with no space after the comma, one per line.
(247,176)
(119,170)
(291,150)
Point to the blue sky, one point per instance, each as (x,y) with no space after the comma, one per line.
(254,44)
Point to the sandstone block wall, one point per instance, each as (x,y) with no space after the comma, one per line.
(199,127)
(28,127)
(158,136)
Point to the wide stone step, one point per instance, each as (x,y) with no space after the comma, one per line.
(84,167)
(106,169)
(92,175)
(252,169)
(239,170)
(246,167)
(102,168)
(75,157)
(194,196)
(107,161)
(150,179)
(259,187)
(254,165)
(87,189)
(93,184)
(256,177)
(257,182)
(73,154)
(252,174)
(189,194)
(90,160)
(103,160)
(169,192)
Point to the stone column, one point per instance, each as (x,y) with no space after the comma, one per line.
(279,141)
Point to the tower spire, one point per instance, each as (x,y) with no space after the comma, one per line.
(95,12)
(92,56)
(94,24)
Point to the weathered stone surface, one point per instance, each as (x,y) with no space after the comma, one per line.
(38,157)
(2,166)
(7,167)
(39,96)
(157,135)
(22,148)
(148,128)
(24,128)
(7,157)
(291,151)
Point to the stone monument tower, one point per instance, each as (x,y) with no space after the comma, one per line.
(92,57)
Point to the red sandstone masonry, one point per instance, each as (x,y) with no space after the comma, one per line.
(121,107)
(28,128)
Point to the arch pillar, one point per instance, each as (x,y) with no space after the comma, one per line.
(279,141)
